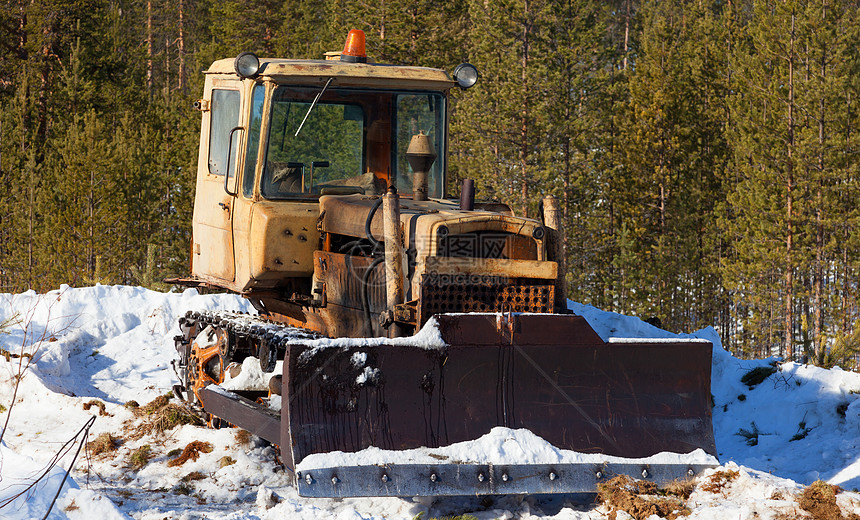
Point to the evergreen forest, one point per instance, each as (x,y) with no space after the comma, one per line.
(705,152)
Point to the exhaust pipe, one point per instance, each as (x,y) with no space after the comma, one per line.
(467,195)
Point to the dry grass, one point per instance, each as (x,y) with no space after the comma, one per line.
(155,405)
(194,475)
(104,443)
(640,499)
(420,516)
(819,500)
(191,452)
(243,437)
(140,457)
(680,488)
(160,415)
(10,355)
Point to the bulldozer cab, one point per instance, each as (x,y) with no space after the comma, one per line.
(274,140)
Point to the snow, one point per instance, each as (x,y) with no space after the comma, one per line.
(251,377)
(114,344)
(428,337)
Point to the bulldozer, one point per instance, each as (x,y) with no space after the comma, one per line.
(393,316)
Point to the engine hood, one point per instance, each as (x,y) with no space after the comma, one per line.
(426,224)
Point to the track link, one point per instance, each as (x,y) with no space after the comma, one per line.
(231,338)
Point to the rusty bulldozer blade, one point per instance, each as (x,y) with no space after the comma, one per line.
(551,374)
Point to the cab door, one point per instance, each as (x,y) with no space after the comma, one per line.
(212,249)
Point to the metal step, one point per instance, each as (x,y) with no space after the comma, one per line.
(244,413)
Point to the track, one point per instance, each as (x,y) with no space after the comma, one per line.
(230,337)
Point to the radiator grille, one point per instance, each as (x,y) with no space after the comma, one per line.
(439,298)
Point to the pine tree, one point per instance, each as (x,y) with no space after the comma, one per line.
(505,118)
(674,154)
(793,131)
(79,202)
(579,95)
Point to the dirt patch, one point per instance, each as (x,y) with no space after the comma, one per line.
(819,500)
(98,404)
(191,452)
(718,481)
(104,443)
(160,415)
(640,499)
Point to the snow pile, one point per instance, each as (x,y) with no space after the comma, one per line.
(500,446)
(251,377)
(428,337)
(120,339)
(112,345)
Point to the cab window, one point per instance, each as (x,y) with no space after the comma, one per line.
(257,99)
(312,146)
(223,118)
(346,140)
(419,113)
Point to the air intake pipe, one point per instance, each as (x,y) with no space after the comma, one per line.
(552,220)
(420,155)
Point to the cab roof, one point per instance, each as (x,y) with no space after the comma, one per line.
(353,74)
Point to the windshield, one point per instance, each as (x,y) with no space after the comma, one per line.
(352,141)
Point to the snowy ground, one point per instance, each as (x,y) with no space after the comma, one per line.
(115,345)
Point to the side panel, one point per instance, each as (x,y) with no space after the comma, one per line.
(282,240)
(343,278)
